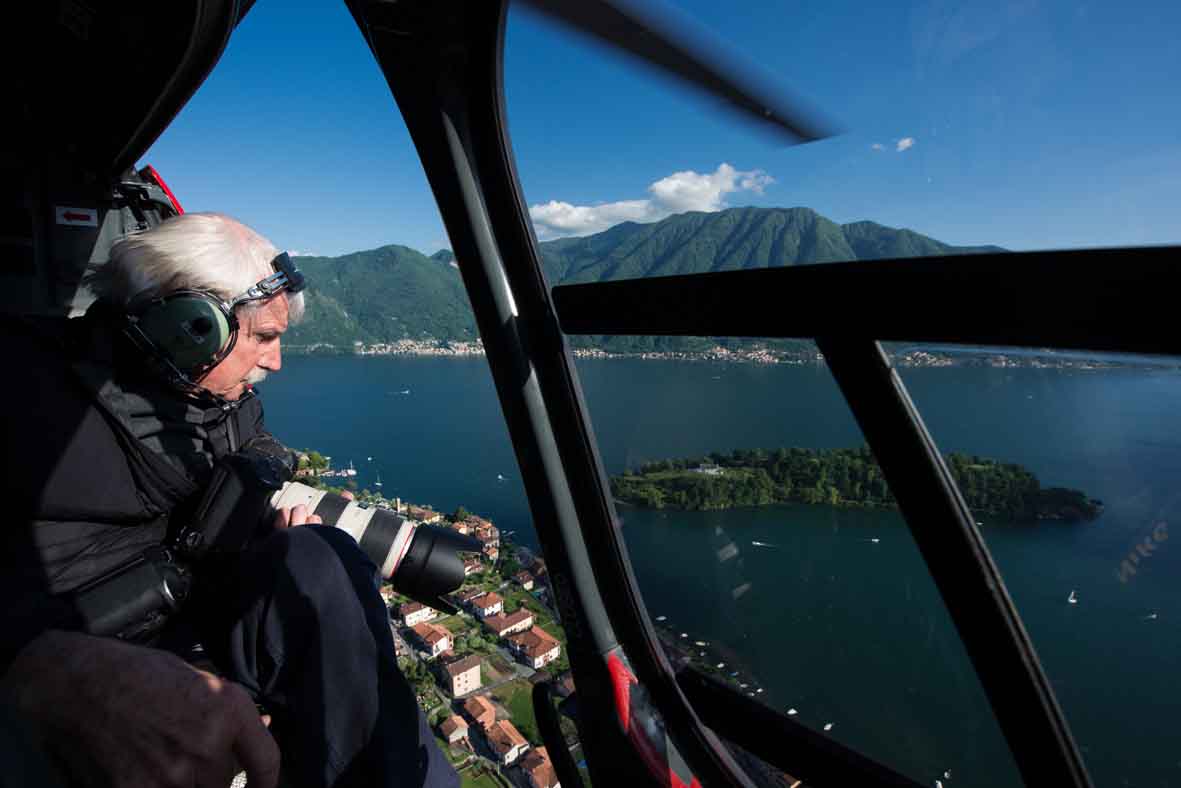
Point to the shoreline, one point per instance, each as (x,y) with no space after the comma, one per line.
(910,358)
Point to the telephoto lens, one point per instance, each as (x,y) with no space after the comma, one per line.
(420,561)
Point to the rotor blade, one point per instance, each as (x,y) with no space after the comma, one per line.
(623,26)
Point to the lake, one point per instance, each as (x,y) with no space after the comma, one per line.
(831,612)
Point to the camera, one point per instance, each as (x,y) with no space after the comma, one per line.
(420,561)
(246,490)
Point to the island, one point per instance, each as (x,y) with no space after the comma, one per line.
(838,477)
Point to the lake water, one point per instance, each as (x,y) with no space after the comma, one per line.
(832,612)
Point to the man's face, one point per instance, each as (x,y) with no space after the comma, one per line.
(255,353)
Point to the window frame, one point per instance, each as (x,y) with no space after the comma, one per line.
(443,63)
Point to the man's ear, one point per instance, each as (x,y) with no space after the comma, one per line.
(193,330)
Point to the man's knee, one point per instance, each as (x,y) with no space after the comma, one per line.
(318,554)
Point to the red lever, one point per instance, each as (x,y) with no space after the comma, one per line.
(149,172)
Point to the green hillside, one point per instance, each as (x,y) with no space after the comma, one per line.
(393,293)
(381,295)
(693,243)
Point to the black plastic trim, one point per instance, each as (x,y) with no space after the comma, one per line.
(214,22)
(1119,300)
(551,734)
(442,61)
(581,464)
(781,741)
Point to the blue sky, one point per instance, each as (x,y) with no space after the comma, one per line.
(1025,124)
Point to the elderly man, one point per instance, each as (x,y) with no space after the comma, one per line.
(113,426)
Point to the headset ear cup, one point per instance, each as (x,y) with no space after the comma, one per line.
(192,329)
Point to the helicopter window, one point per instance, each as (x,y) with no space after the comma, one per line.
(769,556)
(1090,568)
(966,133)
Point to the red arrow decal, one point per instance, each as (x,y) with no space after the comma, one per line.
(70,216)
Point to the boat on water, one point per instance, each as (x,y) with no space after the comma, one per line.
(378,482)
(350,471)
(1072,599)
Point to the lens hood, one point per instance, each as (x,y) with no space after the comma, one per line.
(432,565)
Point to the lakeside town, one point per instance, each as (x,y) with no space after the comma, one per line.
(473,670)
(910,357)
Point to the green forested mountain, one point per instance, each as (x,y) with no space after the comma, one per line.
(693,243)
(393,293)
(381,295)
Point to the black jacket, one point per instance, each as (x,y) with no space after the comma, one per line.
(99,459)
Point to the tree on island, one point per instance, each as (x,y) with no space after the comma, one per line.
(460,515)
(838,477)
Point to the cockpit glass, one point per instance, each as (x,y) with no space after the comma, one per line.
(769,554)
(764,548)
(1080,523)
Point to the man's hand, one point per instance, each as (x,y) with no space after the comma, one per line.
(119,715)
(298,514)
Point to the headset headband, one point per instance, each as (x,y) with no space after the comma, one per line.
(286,278)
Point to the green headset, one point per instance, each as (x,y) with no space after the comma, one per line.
(189,332)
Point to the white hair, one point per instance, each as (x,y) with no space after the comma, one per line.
(193,251)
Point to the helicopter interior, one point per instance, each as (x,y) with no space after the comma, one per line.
(643,717)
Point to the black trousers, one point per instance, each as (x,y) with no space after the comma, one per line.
(299,622)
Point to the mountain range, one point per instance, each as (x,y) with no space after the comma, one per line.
(392,293)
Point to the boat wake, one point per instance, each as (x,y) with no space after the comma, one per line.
(763,544)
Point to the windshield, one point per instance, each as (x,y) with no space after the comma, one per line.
(766,543)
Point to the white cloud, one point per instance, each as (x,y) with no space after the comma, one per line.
(677,193)
(300,253)
(555,219)
(877,146)
(904,144)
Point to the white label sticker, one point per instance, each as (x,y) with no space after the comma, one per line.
(77,217)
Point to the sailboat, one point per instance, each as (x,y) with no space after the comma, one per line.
(351,471)
(1072,599)
(378,482)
